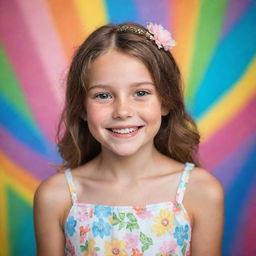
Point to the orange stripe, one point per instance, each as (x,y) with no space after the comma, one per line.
(184,20)
(18,174)
(68,25)
(17,178)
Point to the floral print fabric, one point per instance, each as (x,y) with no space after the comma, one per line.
(161,229)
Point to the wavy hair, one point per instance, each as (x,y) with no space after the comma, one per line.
(178,136)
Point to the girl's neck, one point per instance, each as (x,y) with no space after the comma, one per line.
(125,169)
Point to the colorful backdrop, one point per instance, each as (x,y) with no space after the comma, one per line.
(216,43)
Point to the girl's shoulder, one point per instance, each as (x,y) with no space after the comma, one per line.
(52,186)
(205,200)
(204,190)
(203,181)
(53,194)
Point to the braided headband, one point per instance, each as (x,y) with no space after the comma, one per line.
(161,36)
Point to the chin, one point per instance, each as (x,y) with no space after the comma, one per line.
(123,151)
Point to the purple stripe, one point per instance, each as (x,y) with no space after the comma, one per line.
(235,9)
(19,47)
(231,166)
(230,137)
(34,164)
(154,11)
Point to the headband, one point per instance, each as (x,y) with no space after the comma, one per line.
(155,32)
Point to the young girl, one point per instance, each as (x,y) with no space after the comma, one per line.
(129,151)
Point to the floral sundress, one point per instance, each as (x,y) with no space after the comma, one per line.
(160,229)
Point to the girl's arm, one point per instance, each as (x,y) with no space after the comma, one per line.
(208,205)
(48,211)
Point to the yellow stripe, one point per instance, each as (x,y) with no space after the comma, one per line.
(92,14)
(230,105)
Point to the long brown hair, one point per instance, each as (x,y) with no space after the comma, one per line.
(178,136)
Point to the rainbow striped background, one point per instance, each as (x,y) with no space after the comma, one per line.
(216,43)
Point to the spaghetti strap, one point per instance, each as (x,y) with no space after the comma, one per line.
(71,186)
(184,181)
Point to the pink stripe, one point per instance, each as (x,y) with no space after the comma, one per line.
(24,157)
(40,26)
(247,245)
(20,49)
(232,165)
(230,137)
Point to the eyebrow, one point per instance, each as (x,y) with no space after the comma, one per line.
(109,86)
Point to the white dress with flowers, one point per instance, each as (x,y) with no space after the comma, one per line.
(161,229)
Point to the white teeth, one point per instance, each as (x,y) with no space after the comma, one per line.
(123,131)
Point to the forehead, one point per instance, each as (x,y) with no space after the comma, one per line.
(116,67)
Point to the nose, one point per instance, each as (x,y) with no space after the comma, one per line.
(122,109)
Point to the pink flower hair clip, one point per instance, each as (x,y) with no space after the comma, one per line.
(154,32)
(162,37)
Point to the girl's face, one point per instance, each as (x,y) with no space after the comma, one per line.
(123,109)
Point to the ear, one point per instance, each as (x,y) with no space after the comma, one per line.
(164,111)
(83,116)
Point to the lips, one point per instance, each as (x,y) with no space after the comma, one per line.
(125,127)
(125,131)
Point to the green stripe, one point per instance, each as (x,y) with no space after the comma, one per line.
(208,31)
(20,225)
(10,88)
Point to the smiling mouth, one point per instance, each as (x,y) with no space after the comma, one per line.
(125,130)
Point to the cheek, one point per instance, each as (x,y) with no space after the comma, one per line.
(96,114)
(152,112)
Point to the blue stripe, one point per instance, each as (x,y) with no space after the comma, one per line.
(232,57)
(20,128)
(235,199)
(119,11)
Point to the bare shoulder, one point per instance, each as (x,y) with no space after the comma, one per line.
(52,187)
(51,202)
(205,187)
(204,191)
(53,193)
(206,196)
